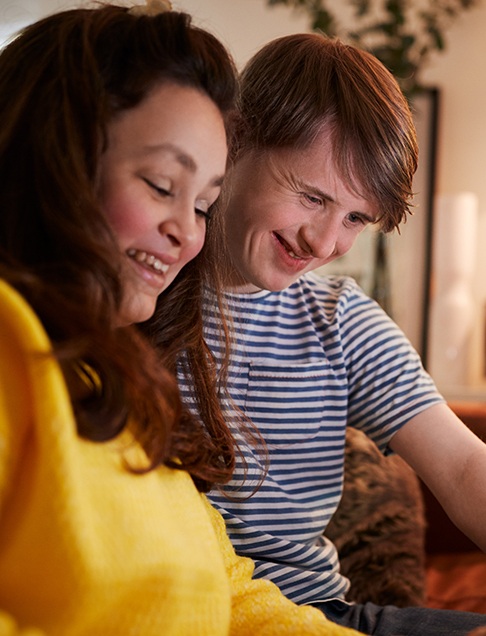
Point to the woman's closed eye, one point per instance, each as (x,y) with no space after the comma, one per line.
(206,206)
(202,207)
(204,212)
(163,190)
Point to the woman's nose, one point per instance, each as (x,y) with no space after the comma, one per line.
(182,228)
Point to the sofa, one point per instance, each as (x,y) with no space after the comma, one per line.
(396,544)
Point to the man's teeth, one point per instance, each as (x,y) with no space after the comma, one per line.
(148,259)
(293,255)
(288,249)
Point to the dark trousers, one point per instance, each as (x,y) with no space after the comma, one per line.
(398,621)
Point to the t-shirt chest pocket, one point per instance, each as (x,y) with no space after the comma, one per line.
(288,401)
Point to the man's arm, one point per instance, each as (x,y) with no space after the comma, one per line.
(451,460)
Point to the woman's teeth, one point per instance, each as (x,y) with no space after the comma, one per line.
(148,259)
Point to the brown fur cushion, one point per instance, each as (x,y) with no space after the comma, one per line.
(379,527)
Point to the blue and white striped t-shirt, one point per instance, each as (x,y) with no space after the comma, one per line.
(307,362)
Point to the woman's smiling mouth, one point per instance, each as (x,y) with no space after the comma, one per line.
(150,260)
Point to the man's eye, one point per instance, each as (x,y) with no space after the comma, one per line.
(357,219)
(313,200)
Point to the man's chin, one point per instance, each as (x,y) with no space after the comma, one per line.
(276,284)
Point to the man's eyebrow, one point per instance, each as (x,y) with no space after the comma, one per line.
(319,192)
(371,219)
(299,184)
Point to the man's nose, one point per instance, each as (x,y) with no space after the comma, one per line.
(322,238)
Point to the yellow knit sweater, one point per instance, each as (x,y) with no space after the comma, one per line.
(88,548)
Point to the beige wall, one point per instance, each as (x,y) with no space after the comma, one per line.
(461,76)
(244,25)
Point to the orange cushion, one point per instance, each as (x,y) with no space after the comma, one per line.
(457,581)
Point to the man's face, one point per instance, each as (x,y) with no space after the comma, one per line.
(290,212)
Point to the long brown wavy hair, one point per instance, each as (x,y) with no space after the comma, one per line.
(62,81)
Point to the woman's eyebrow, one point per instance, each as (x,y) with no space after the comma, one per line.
(179,155)
(185,160)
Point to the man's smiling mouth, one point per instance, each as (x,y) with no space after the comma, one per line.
(289,250)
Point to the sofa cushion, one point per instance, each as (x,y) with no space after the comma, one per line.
(379,527)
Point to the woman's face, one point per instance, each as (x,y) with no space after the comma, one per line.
(162,170)
(290,212)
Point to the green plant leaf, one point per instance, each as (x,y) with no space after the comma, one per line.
(406,37)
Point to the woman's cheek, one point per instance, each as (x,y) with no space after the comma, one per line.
(194,250)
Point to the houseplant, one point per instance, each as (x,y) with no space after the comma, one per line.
(401,33)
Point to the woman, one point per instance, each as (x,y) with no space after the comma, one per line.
(112,153)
